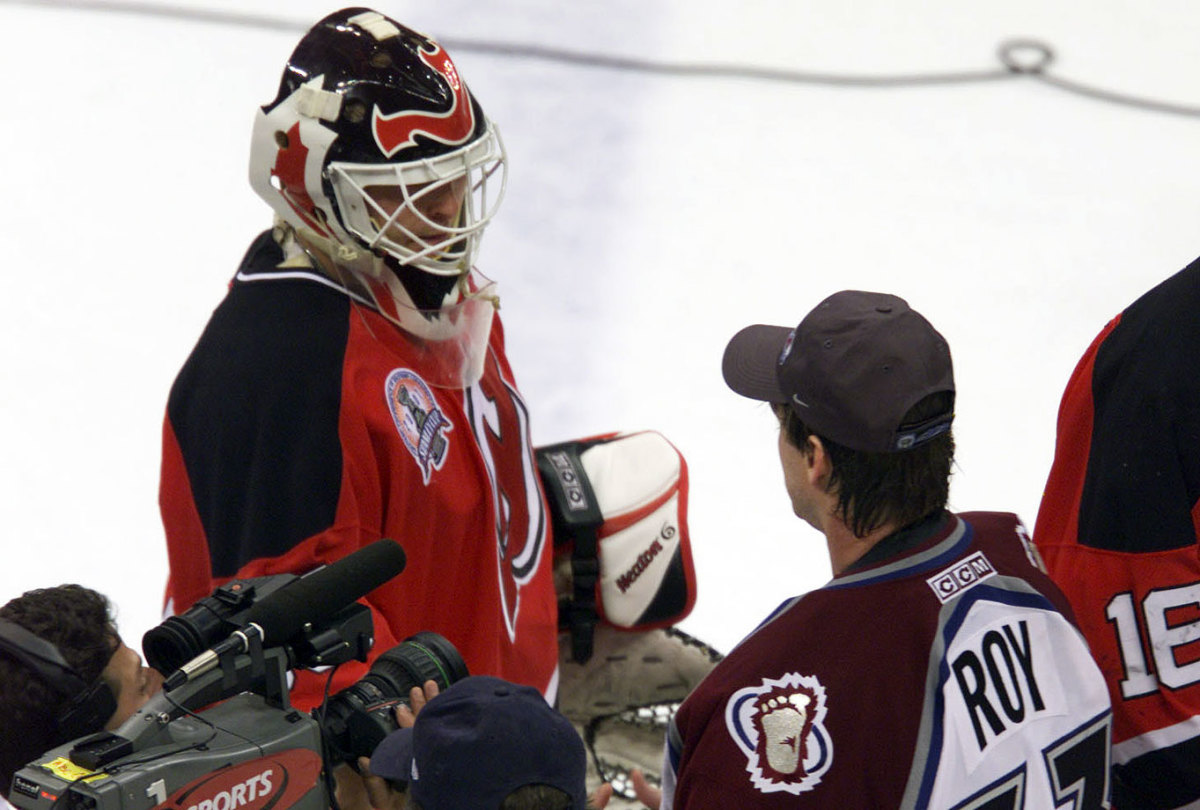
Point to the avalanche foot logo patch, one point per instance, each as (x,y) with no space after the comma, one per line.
(419,420)
(780,727)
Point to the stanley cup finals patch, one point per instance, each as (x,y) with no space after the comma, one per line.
(419,420)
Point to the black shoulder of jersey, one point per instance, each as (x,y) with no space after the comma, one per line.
(255,412)
(264,254)
(1143,472)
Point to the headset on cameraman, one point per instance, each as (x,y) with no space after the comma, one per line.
(89,707)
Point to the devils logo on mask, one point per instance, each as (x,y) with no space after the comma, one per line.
(399,130)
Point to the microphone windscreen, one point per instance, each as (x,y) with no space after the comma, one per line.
(325,591)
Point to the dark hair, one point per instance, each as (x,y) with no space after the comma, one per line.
(76,620)
(877,488)
(526,797)
(536,797)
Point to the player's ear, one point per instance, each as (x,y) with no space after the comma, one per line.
(820,466)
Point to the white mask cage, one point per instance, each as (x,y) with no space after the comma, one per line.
(420,230)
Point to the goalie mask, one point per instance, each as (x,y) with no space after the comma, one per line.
(375,153)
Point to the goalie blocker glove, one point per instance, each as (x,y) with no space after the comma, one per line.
(618,502)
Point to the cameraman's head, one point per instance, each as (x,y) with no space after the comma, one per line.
(64,673)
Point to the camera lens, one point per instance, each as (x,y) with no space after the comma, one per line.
(356,719)
(423,657)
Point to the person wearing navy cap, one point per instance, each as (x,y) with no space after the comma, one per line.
(486,744)
(940,667)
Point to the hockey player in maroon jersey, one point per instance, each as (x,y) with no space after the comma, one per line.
(353,383)
(1119,528)
(940,667)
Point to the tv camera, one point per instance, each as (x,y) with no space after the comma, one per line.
(222,734)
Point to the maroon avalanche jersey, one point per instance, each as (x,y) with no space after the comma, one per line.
(302,428)
(941,671)
(1119,529)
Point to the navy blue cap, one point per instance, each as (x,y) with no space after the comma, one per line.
(392,758)
(478,741)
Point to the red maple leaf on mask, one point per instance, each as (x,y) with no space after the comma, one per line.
(289,167)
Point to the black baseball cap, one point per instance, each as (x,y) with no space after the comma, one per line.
(851,370)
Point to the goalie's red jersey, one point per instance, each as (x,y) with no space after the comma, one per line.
(1119,529)
(302,428)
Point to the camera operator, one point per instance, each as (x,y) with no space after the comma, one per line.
(73,677)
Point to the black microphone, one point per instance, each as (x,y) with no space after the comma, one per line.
(327,590)
(314,596)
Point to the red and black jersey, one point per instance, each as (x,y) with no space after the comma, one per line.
(941,671)
(302,428)
(1119,529)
